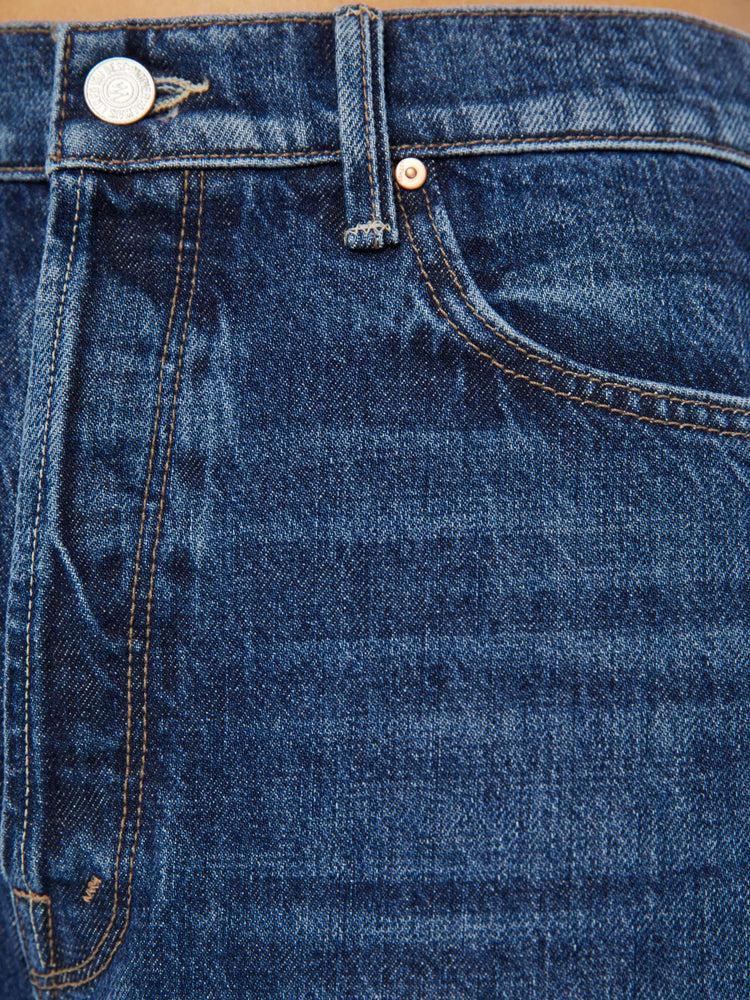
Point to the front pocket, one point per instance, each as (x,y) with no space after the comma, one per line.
(709,392)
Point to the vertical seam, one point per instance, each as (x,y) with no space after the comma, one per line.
(157,535)
(51,936)
(18,922)
(35,538)
(139,549)
(365,103)
(162,498)
(68,43)
(32,918)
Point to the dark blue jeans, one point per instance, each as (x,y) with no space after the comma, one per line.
(377,558)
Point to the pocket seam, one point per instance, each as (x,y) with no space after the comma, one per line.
(604,383)
(570,397)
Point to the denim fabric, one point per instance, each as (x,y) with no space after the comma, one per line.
(378,602)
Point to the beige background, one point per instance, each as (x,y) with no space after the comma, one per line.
(735,13)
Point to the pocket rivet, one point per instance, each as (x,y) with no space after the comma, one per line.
(411,173)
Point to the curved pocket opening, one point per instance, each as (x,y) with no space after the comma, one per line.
(456,296)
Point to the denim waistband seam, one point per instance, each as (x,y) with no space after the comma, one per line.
(325,155)
(602,12)
(64,96)
(406,15)
(276,95)
(677,143)
(177,25)
(30,30)
(738,156)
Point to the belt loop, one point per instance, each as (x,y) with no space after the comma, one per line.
(365,152)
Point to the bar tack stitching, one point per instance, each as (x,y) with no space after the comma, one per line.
(92,887)
(365,227)
(571,397)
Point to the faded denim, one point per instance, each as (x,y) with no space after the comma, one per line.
(377,561)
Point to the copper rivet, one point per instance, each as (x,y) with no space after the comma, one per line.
(411,173)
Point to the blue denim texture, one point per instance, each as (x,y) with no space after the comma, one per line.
(377,561)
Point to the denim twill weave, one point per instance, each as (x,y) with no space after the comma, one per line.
(375,561)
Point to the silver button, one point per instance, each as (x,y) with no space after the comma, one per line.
(411,173)
(119,90)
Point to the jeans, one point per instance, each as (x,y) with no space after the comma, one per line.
(377,557)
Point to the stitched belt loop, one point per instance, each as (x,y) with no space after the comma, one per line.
(365,151)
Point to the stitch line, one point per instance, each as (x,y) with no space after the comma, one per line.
(571,397)
(32,568)
(644,15)
(239,154)
(64,101)
(581,137)
(25,950)
(516,141)
(177,25)
(22,166)
(31,898)
(157,535)
(27,31)
(559,368)
(365,102)
(51,942)
(162,498)
(32,916)
(51,937)
(34,897)
(134,589)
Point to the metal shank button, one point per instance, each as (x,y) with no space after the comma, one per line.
(119,90)
(411,173)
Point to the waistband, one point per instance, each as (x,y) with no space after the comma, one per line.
(262,90)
